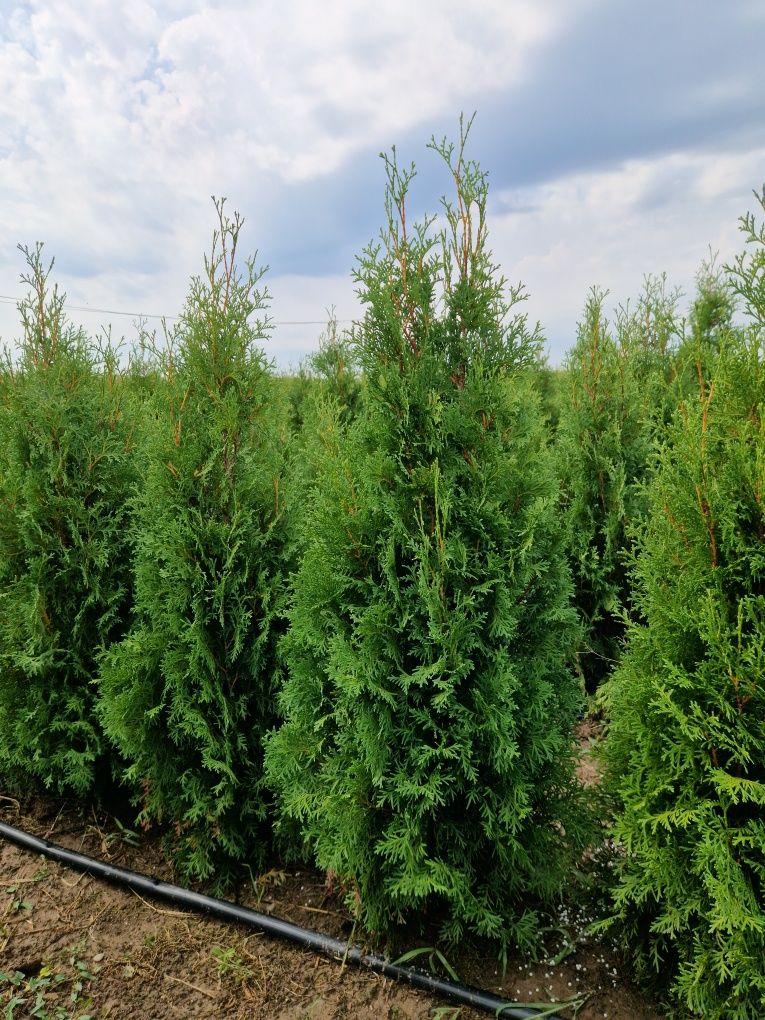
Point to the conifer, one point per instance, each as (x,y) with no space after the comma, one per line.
(710,322)
(603,449)
(189,693)
(427,750)
(621,392)
(686,745)
(66,473)
(329,374)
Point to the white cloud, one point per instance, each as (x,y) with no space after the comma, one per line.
(306,89)
(609,229)
(117,122)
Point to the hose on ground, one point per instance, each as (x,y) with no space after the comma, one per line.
(227,911)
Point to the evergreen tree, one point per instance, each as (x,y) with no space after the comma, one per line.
(427,751)
(712,310)
(621,393)
(65,477)
(710,321)
(649,334)
(603,450)
(330,373)
(686,745)
(189,693)
(334,366)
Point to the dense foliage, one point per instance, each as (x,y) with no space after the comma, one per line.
(618,397)
(603,450)
(353,604)
(65,476)
(686,748)
(427,751)
(189,693)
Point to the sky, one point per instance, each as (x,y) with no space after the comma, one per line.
(620,139)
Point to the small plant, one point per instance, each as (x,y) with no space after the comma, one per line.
(49,994)
(109,840)
(230,964)
(16,903)
(435,956)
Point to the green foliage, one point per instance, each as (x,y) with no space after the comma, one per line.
(712,310)
(551,384)
(329,374)
(189,693)
(710,321)
(48,994)
(427,749)
(686,747)
(334,366)
(603,450)
(65,476)
(619,397)
(649,334)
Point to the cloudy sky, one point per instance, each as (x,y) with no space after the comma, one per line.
(620,138)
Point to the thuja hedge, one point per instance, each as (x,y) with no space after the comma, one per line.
(66,472)
(426,752)
(189,693)
(686,746)
(426,757)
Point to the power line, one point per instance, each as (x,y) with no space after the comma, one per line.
(8,299)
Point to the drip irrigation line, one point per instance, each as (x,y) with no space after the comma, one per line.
(227,911)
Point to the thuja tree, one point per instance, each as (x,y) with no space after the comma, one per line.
(710,321)
(649,332)
(603,448)
(427,750)
(65,476)
(189,693)
(621,391)
(686,747)
(334,366)
(329,373)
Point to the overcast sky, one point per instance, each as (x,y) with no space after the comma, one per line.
(621,138)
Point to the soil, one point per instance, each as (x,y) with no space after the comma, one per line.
(72,946)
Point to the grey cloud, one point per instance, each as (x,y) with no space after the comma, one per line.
(631,81)
(624,81)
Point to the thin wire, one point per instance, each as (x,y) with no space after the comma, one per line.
(7,299)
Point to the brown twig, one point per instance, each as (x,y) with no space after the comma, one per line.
(159,910)
(196,988)
(55,822)
(319,910)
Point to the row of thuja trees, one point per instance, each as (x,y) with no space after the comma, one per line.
(354,615)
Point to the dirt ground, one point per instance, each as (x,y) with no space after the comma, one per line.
(72,946)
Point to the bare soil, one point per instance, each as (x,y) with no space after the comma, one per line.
(72,946)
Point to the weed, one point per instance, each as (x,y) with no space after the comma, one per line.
(229,962)
(36,995)
(17,904)
(434,956)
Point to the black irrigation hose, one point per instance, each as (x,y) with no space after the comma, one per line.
(227,911)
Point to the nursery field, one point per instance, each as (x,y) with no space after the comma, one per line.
(341,643)
(71,946)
